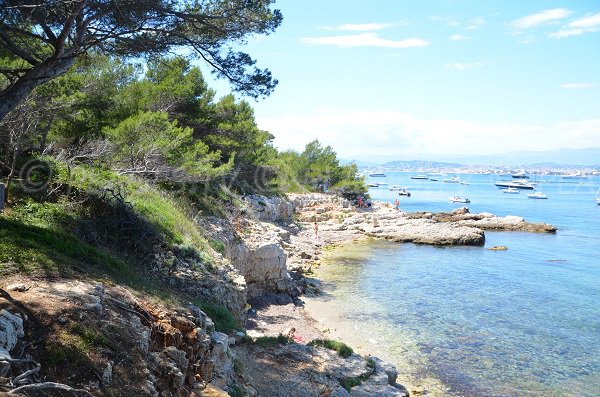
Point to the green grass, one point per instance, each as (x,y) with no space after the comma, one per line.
(38,250)
(349,383)
(343,349)
(217,245)
(224,321)
(73,346)
(170,216)
(266,341)
(236,391)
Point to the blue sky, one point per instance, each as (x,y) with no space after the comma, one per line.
(419,79)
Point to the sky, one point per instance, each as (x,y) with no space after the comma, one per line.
(431,78)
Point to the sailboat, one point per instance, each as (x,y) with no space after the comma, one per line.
(598,197)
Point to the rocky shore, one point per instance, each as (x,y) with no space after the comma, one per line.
(266,255)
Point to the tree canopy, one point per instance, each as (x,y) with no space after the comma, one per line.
(40,39)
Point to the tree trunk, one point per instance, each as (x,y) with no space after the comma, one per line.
(16,93)
(12,173)
(45,134)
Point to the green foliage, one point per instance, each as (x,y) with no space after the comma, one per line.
(317,169)
(236,391)
(370,363)
(223,319)
(40,248)
(217,245)
(340,347)
(73,345)
(349,383)
(168,215)
(90,337)
(267,341)
(212,30)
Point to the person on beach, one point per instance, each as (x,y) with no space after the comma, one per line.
(316,230)
(397,204)
(292,337)
(359,201)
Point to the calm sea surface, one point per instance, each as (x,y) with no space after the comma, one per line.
(521,322)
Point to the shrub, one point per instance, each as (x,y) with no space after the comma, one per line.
(266,341)
(223,319)
(343,349)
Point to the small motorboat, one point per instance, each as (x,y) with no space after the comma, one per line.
(419,177)
(394,188)
(464,182)
(454,179)
(537,195)
(433,178)
(403,192)
(373,185)
(511,190)
(457,199)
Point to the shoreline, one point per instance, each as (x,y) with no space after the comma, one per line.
(314,317)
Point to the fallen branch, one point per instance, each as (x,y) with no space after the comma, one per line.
(26,374)
(49,386)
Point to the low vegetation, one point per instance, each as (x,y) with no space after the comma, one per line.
(266,341)
(340,347)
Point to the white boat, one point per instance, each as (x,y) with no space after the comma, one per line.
(511,190)
(576,175)
(464,182)
(457,199)
(394,188)
(520,175)
(403,192)
(373,185)
(537,195)
(433,178)
(454,179)
(419,177)
(516,184)
(377,174)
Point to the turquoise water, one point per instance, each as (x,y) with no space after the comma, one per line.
(521,322)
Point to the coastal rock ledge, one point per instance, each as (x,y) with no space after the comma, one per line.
(382,220)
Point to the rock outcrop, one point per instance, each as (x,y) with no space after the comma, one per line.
(295,370)
(485,221)
(339,222)
(132,346)
(271,209)
(255,250)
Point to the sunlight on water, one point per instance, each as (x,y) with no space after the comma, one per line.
(522,322)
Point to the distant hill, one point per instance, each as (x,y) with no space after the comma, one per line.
(560,157)
(552,158)
(359,163)
(415,164)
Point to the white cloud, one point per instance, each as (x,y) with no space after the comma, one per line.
(399,134)
(577,86)
(462,66)
(527,40)
(450,21)
(360,27)
(590,23)
(458,37)
(364,40)
(541,18)
(476,23)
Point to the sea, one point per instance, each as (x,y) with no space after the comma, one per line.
(519,322)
